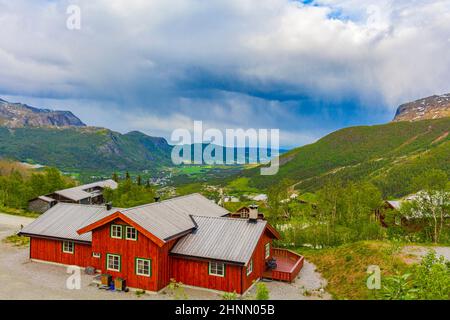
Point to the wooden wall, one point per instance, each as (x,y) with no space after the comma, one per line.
(129,250)
(259,261)
(51,250)
(195,272)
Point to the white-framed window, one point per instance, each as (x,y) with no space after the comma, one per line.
(250,267)
(267,250)
(113,262)
(143,267)
(68,247)
(130,233)
(244,214)
(216,269)
(116,231)
(96,255)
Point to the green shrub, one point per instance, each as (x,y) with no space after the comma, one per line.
(262,293)
(230,296)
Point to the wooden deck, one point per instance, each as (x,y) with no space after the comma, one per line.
(289,265)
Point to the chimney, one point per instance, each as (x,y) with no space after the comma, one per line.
(157,199)
(108,206)
(253,214)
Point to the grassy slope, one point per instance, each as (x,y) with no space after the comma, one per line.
(345,267)
(367,152)
(89,149)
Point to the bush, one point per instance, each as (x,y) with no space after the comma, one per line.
(430,280)
(262,293)
(230,296)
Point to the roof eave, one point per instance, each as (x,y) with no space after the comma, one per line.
(32,235)
(191,257)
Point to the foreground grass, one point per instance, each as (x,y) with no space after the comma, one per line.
(17,241)
(19,212)
(345,267)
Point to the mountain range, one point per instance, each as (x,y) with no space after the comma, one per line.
(389,155)
(60,139)
(18,115)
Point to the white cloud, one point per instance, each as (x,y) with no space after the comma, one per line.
(183,59)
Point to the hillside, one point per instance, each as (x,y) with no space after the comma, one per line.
(60,139)
(389,155)
(428,108)
(84,148)
(17,115)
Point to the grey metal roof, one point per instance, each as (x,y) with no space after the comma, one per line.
(78,193)
(46,199)
(225,239)
(395,204)
(169,218)
(63,220)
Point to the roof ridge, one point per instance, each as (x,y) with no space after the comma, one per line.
(84,205)
(166,200)
(84,185)
(227,218)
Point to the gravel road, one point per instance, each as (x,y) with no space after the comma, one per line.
(420,251)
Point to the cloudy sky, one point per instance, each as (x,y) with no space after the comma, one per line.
(305,67)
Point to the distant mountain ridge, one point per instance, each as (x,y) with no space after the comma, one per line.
(388,155)
(62,140)
(18,115)
(434,107)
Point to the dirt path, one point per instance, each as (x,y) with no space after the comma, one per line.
(414,254)
(10,224)
(309,285)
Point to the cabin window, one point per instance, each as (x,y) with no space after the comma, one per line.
(250,267)
(244,214)
(113,262)
(217,269)
(130,233)
(116,231)
(267,250)
(143,267)
(96,255)
(68,247)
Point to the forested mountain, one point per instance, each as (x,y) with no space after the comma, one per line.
(60,139)
(84,148)
(388,155)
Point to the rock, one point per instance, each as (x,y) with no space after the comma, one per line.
(428,108)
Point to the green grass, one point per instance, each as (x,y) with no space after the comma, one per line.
(345,267)
(241,185)
(17,241)
(389,155)
(19,212)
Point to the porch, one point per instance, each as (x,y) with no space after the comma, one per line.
(288,263)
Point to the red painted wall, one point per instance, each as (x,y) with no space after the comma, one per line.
(51,250)
(129,250)
(195,272)
(259,261)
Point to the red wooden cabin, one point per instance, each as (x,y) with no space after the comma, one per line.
(189,239)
